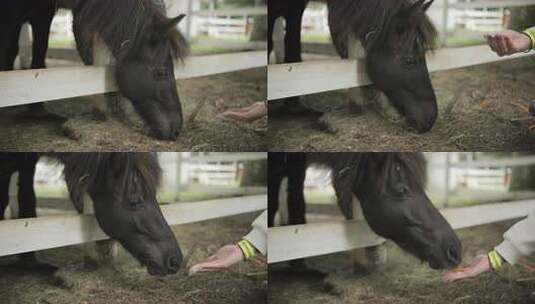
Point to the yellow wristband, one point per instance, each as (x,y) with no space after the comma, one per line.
(531,34)
(248,250)
(496,261)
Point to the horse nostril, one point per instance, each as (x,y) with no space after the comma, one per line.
(173,263)
(454,255)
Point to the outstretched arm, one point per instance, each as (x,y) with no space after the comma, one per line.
(511,42)
(518,241)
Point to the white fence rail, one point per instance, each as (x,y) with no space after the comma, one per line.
(29,86)
(300,241)
(23,235)
(295,79)
(492,4)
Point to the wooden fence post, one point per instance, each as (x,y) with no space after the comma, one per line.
(373,257)
(99,253)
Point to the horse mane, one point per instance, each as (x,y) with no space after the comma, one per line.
(127,22)
(361,17)
(414,163)
(83,171)
(350,170)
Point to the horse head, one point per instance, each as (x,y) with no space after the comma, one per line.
(390,188)
(123,189)
(145,75)
(397,65)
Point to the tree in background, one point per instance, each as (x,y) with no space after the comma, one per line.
(254,173)
(521,18)
(523,178)
(259,32)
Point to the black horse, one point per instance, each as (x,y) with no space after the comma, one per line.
(123,189)
(390,188)
(395,35)
(140,37)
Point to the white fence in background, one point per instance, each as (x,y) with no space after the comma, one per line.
(479,20)
(493,182)
(225,23)
(216,169)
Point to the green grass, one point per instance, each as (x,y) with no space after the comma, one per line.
(62,44)
(316,38)
(457,41)
(319,197)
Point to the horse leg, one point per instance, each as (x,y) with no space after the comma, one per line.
(271,26)
(13,48)
(4,193)
(292,40)
(292,52)
(9,47)
(296,199)
(26,198)
(274,183)
(26,193)
(27,209)
(41,31)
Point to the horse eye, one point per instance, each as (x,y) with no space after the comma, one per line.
(410,60)
(138,204)
(402,189)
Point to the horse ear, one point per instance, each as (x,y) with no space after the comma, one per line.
(342,183)
(426,6)
(417,6)
(77,191)
(171,23)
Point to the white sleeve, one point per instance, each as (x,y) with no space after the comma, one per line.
(258,235)
(518,241)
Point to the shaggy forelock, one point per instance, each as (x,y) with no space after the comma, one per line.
(361,17)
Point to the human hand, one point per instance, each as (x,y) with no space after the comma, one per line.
(248,114)
(508,42)
(225,257)
(479,265)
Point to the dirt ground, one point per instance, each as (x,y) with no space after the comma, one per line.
(129,283)
(84,131)
(475,108)
(404,280)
